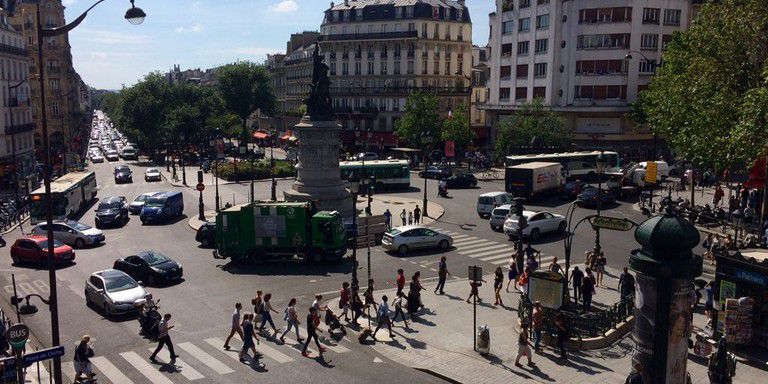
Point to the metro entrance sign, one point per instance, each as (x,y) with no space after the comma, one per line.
(612,223)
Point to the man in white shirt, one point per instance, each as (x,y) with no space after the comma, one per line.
(163,338)
(235,325)
(383,314)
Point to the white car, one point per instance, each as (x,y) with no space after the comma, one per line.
(138,203)
(112,155)
(152,174)
(538,223)
(498,216)
(71,232)
(113,291)
(404,239)
(96,158)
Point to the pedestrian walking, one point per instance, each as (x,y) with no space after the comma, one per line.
(383,317)
(256,302)
(473,292)
(600,263)
(368,295)
(410,218)
(292,320)
(235,325)
(248,335)
(82,360)
(163,338)
(498,283)
(577,277)
(266,314)
(719,193)
(388,219)
(403,216)
(512,274)
(626,285)
(416,287)
(523,349)
(537,318)
(400,280)
(356,305)
(417,214)
(589,259)
(555,266)
(561,323)
(442,274)
(316,304)
(587,289)
(398,303)
(709,306)
(344,300)
(312,318)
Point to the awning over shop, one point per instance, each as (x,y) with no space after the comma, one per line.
(756,175)
(260,135)
(288,135)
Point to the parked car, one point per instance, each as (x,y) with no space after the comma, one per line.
(410,237)
(96,158)
(498,216)
(488,201)
(123,174)
(539,223)
(162,207)
(462,180)
(206,234)
(112,210)
(589,198)
(572,189)
(111,154)
(433,172)
(72,233)
(113,291)
(150,267)
(138,203)
(152,174)
(34,249)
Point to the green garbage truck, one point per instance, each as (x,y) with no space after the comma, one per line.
(264,230)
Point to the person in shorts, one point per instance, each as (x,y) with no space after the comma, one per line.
(82,360)
(523,349)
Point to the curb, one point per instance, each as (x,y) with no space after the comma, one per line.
(603,341)
(14,226)
(436,374)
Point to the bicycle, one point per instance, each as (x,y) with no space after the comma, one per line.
(490,173)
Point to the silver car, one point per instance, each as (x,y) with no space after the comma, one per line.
(113,291)
(152,174)
(404,239)
(498,216)
(538,223)
(138,203)
(71,232)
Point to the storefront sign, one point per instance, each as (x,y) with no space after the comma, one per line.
(598,125)
(651,171)
(752,277)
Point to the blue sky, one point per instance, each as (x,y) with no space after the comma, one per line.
(108,51)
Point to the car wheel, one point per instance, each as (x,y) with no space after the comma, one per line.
(443,245)
(402,250)
(562,228)
(535,234)
(15,259)
(88,301)
(79,243)
(474,183)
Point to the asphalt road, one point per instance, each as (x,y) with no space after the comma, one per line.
(202,303)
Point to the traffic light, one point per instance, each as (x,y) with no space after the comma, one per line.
(200,176)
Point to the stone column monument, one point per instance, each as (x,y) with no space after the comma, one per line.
(318,176)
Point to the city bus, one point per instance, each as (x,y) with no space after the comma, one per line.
(390,174)
(69,194)
(575,164)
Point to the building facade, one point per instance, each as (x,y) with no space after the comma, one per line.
(17,144)
(380,51)
(480,74)
(573,56)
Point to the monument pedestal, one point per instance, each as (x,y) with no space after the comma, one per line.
(318,176)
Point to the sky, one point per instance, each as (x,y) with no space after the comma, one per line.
(109,52)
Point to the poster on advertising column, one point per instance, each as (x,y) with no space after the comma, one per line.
(680,312)
(645,322)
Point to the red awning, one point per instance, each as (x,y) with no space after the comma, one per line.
(260,135)
(756,175)
(287,135)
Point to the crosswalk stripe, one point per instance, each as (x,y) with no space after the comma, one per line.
(462,237)
(496,257)
(338,348)
(109,370)
(32,377)
(212,363)
(500,262)
(148,370)
(265,349)
(470,242)
(505,252)
(484,249)
(179,365)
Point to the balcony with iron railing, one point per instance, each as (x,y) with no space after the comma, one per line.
(405,90)
(5,48)
(19,128)
(369,36)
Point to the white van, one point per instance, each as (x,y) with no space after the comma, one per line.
(662,169)
(488,201)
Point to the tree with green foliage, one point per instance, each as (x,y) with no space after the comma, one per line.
(420,119)
(457,128)
(532,125)
(710,98)
(246,87)
(142,109)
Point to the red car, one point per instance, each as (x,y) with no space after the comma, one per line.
(34,249)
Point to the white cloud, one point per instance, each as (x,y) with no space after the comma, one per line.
(197,27)
(285,6)
(100,36)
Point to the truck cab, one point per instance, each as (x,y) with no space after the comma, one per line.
(328,236)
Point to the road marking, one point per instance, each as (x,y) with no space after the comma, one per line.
(504,255)
(465,243)
(496,252)
(179,366)
(484,249)
(212,363)
(78,291)
(263,348)
(462,236)
(109,370)
(324,342)
(148,370)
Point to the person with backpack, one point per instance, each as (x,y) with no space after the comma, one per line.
(383,317)
(256,302)
(82,360)
(292,318)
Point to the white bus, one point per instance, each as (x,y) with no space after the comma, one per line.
(69,194)
(388,173)
(575,164)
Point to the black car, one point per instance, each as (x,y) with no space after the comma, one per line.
(112,211)
(123,174)
(462,180)
(206,234)
(589,198)
(433,172)
(150,267)
(572,189)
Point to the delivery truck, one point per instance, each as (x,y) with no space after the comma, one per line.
(533,179)
(263,230)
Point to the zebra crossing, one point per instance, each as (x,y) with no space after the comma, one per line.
(202,360)
(490,251)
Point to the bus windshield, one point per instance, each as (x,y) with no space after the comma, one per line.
(59,207)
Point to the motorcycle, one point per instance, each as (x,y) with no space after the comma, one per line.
(149,317)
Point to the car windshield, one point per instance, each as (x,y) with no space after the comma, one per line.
(500,212)
(78,226)
(110,205)
(154,258)
(152,170)
(119,283)
(485,200)
(154,202)
(395,232)
(44,244)
(141,198)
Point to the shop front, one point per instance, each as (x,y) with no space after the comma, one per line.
(741,298)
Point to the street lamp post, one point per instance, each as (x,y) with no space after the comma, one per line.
(600,163)
(133,15)
(181,159)
(426,139)
(272,164)
(354,189)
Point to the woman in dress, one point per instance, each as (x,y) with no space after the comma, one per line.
(498,282)
(512,274)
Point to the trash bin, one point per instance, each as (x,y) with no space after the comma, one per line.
(483,339)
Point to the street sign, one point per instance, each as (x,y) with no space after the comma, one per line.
(612,223)
(475,273)
(34,357)
(17,335)
(651,171)
(200,187)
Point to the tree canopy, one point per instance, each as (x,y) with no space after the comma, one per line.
(457,128)
(246,87)
(420,118)
(710,97)
(531,125)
